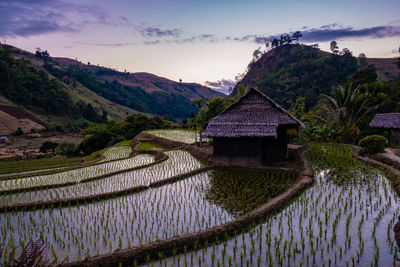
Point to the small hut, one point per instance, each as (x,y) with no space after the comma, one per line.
(253,130)
(388,121)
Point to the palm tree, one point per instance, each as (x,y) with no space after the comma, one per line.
(343,109)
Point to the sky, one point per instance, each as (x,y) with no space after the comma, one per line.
(196,41)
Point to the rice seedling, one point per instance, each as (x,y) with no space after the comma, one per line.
(178,162)
(75,175)
(343,221)
(184,136)
(116,152)
(75,232)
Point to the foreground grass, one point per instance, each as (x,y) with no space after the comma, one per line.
(35,164)
(93,156)
(148,146)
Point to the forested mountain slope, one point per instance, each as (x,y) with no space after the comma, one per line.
(293,70)
(65,90)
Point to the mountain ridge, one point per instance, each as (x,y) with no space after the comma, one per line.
(293,70)
(148,81)
(162,96)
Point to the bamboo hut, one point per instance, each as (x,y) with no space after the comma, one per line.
(388,121)
(253,130)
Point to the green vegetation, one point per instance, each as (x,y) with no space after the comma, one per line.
(148,146)
(113,132)
(94,181)
(159,103)
(345,114)
(29,85)
(117,151)
(330,224)
(36,164)
(124,143)
(296,71)
(243,190)
(93,156)
(21,83)
(374,143)
(185,136)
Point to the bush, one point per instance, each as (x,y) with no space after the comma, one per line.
(374,143)
(18,132)
(66,149)
(48,145)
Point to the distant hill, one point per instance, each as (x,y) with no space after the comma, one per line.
(290,71)
(148,82)
(65,91)
(143,92)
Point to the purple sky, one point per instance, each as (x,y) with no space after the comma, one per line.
(193,40)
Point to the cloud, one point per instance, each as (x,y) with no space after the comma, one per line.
(335,32)
(329,33)
(158,32)
(222,85)
(104,44)
(27,17)
(324,33)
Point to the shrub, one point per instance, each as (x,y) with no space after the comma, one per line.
(374,143)
(48,145)
(66,149)
(18,132)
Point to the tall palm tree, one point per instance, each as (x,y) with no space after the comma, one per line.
(343,109)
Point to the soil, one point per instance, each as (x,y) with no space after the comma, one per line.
(27,145)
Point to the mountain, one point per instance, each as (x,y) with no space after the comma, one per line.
(146,81)
(143,92)
(66,92)
(293,70)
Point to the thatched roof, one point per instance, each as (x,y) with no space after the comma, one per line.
(253,115)
(386,120)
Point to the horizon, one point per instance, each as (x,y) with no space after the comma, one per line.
(173,40)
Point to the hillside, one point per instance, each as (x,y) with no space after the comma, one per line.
(46,89)
(290,71)
(143,92)
(148,82)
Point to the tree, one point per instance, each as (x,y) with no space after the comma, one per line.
(363,75)
(398,61)
(274,43)
(345,52)
(296,36)
(343,109)
(334,47)
(298,108)
(362,60)
(42,54)
(241,90)
(257,54)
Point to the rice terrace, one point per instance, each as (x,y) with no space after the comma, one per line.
(161,206)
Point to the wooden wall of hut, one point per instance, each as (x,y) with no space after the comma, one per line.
(251,150)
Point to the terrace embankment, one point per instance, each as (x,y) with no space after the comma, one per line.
(390,165)
(203,152)
(160,157)
(195,240)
